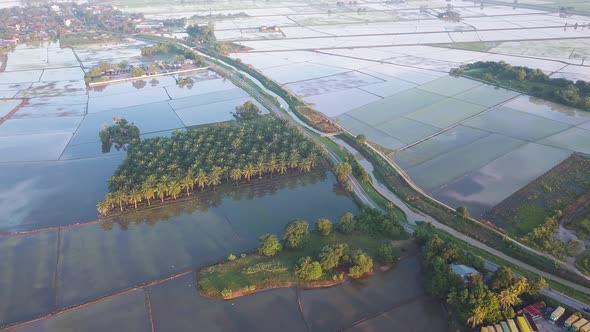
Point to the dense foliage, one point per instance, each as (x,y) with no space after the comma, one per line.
(472,302)
(387,253)
(205,157)
(295,234)
(120,134)
(324,226)
(248,111)
(308,270)
(530,81)
(269,245)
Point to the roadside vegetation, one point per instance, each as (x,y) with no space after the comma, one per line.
(530,81)
(471,301)
(120,134)
(325,257)
(205,157)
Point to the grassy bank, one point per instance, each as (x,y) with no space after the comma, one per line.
(397,184)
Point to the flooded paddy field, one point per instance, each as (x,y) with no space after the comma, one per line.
(176,305)
(457,138)
(86,262)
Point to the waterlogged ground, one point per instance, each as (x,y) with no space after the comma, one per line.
(386,300)
(72,265)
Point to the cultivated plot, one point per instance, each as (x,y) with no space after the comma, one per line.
(27,272)
(126,312)
(32,194)
(482,189)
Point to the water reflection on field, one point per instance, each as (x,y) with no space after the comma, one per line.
(98,259)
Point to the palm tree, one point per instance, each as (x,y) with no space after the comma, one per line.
(249,170)
(202,179)
(305,165)
(293,158)
(313,157)
(120,197)
(148,190)
(110,200)
(520,286)
(215,177)
(187,183)
(260,167)
(236,175)
(103,207)
(272,165)
(161,190)
(477,316)
(135,197)
(282,166)
(507,298)
(174,189)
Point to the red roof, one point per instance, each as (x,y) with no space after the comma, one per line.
(532,310)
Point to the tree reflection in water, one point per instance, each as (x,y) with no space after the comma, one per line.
(201,202)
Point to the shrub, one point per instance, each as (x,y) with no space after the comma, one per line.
(363,264)
(347,223)
(338,276)
(265,267)
(231,257)
(324,226)
(295,234)
(463,212)
(268,245)
(250,288)
(308,270)
(243,255)
(226,292)
(332,255)
(387,254)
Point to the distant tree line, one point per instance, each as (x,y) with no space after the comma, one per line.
(530,81)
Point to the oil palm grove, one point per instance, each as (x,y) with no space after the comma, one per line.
(201,159)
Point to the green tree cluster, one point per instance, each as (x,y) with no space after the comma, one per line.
(363,264)
(308,270)
(248,111)
(472,303)
(295,234)
(532,81)
(324,226)
(120,134)
(205,157)
(387,253)
(269,245)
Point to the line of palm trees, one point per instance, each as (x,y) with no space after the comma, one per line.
(203,158)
